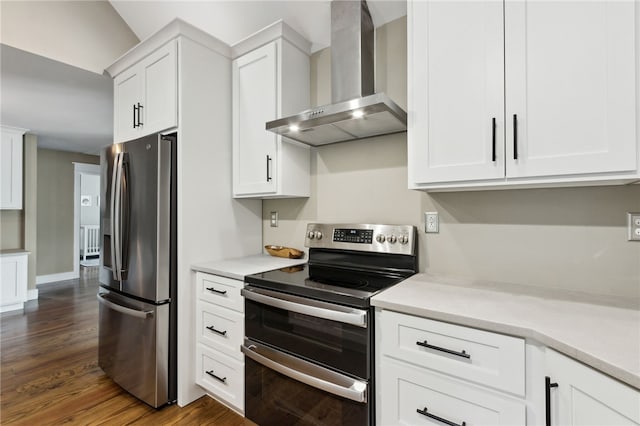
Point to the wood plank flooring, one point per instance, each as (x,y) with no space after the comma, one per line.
(49,370)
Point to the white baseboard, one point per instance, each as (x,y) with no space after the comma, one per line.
(32,294)
(42,279)
(14,307)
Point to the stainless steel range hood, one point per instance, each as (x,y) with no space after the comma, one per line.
(356,112)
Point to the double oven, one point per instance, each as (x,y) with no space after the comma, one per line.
(310,330)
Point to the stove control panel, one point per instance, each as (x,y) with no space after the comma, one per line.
(398,239)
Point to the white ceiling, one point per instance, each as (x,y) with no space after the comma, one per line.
(232,21)
(71,109)
(68,108)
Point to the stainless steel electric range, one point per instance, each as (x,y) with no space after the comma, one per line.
(310,332)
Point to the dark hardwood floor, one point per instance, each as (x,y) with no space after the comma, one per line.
(49,370)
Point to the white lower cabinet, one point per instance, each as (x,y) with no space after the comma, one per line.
(417,396)
(221,375)
(13,281)
(582,396)
(435,385)
(430,372)
(219,334)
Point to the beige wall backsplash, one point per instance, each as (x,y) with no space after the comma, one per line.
(566,238)
(11,229)
(55,209)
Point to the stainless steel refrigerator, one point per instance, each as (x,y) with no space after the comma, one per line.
(137,296)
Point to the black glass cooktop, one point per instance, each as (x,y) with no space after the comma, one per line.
(330,284)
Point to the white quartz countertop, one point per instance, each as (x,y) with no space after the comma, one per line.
(13,252)
(240,267)
(604,334)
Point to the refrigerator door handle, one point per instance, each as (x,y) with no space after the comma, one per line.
(117,231)
(123,309)
(123,217)
(112,219)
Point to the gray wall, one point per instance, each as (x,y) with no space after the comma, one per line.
(31,205)
(55,209)
(567,238)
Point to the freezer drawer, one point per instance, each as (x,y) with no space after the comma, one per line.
(134,346)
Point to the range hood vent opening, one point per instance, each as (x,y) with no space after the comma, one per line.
(356,112)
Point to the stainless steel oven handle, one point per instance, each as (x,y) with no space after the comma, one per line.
(306,306)
(306,372)
(123,309)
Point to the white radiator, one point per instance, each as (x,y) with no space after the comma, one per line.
(90,240)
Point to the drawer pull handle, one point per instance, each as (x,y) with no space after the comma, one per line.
(438,418)
(221,379)
(217,291)
(212,328)
(462,354)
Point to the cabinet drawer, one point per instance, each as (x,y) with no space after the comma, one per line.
(220,328)
(220,291)
(407,389)
(228,383)
(489,359)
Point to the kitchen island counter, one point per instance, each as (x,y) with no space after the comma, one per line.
(602,332)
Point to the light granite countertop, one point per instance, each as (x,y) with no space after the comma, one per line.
(601,332)
(240,267)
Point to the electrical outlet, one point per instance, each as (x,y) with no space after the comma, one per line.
(274,219)
(633,224)
(431,222)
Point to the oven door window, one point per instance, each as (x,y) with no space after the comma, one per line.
(272,398)
(331,343)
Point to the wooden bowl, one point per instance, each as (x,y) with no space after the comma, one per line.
(280,251)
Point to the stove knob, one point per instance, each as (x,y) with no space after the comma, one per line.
(391,238)
(380,238)
(403,239)
(311,235)
(318,235)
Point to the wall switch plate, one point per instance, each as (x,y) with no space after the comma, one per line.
(431,223)
(633,225)
(274,219)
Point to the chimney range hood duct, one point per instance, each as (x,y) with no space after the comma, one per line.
(356,112)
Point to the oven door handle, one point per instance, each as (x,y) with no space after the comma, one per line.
(306,372)
(305,306)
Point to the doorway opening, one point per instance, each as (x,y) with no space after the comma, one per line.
(86,216)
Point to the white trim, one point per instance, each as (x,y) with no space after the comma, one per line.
(78,170)
(62,276)
(32,294)
(14,307)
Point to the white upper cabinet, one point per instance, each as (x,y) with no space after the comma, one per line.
(270,80)
(457,91)
(254,103)
(11,153)
(560,79)
(146,95)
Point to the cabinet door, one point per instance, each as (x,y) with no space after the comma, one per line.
(456,90)
(571,82)
(160,101)
(13,282)
(586,397)
(127,87)
(254,103)
(11,170)
(412,396)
